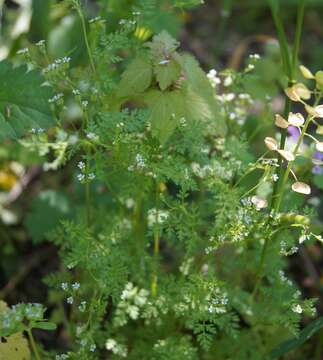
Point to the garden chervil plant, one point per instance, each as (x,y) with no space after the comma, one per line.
(167,249)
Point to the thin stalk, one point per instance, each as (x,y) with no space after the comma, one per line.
(225,12)
(154,282)
(290,164)
(88,48)
(33,344)
(289,65)
(88,202)
(277,185)
(298,35)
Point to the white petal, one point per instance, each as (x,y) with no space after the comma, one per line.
(287,155)
(302,91)
(319,146)
(306,72)
(281,122)
(296,119)
(271,143)
(301,188)
(319,111)
(259,202)
(292,94)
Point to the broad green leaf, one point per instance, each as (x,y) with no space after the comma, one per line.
(44,325)
(137,77)
(13,347)
(294,343)
(46,212)
(166,109)
(196,108)
(23,101)
(200,99)
(166,74)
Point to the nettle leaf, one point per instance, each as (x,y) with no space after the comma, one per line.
(167,73)
(46,212)
(137,77)
(166,109)
(200,94)
(163,44)
(23,101)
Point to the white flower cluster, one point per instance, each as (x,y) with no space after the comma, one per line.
(132,300)
(213,78)
(23,51)
(92,136)
(140,161)
(156,216)
(61,357)
(93,20)
(41,43)
(215,301)
(55,98)
(37,131)
(57,64)
(283,278)
(116,348)
(284,250)
(186,265)
(296,308)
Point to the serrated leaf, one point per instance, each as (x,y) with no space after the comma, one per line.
(44,325)
(23,101)
(166,74)
(166,109)
(163,44)
(201,94)
(137,77)
(304,335)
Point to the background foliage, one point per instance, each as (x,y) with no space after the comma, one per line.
(126,175)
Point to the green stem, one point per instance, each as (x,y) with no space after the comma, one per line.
(88,48)
(33,344)
(298,35)
(290,164)
(289,65)
(154,282)
(225,12)
(277,185)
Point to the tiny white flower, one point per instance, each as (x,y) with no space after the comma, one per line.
(80,177)
(76,286)
(70,300)
(110,344)
(64,286)
(40,43)
(81,165)
(296,308)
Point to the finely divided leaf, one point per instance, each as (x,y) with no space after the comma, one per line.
(294,343)
(137,77)
(23,101)
(166,74)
